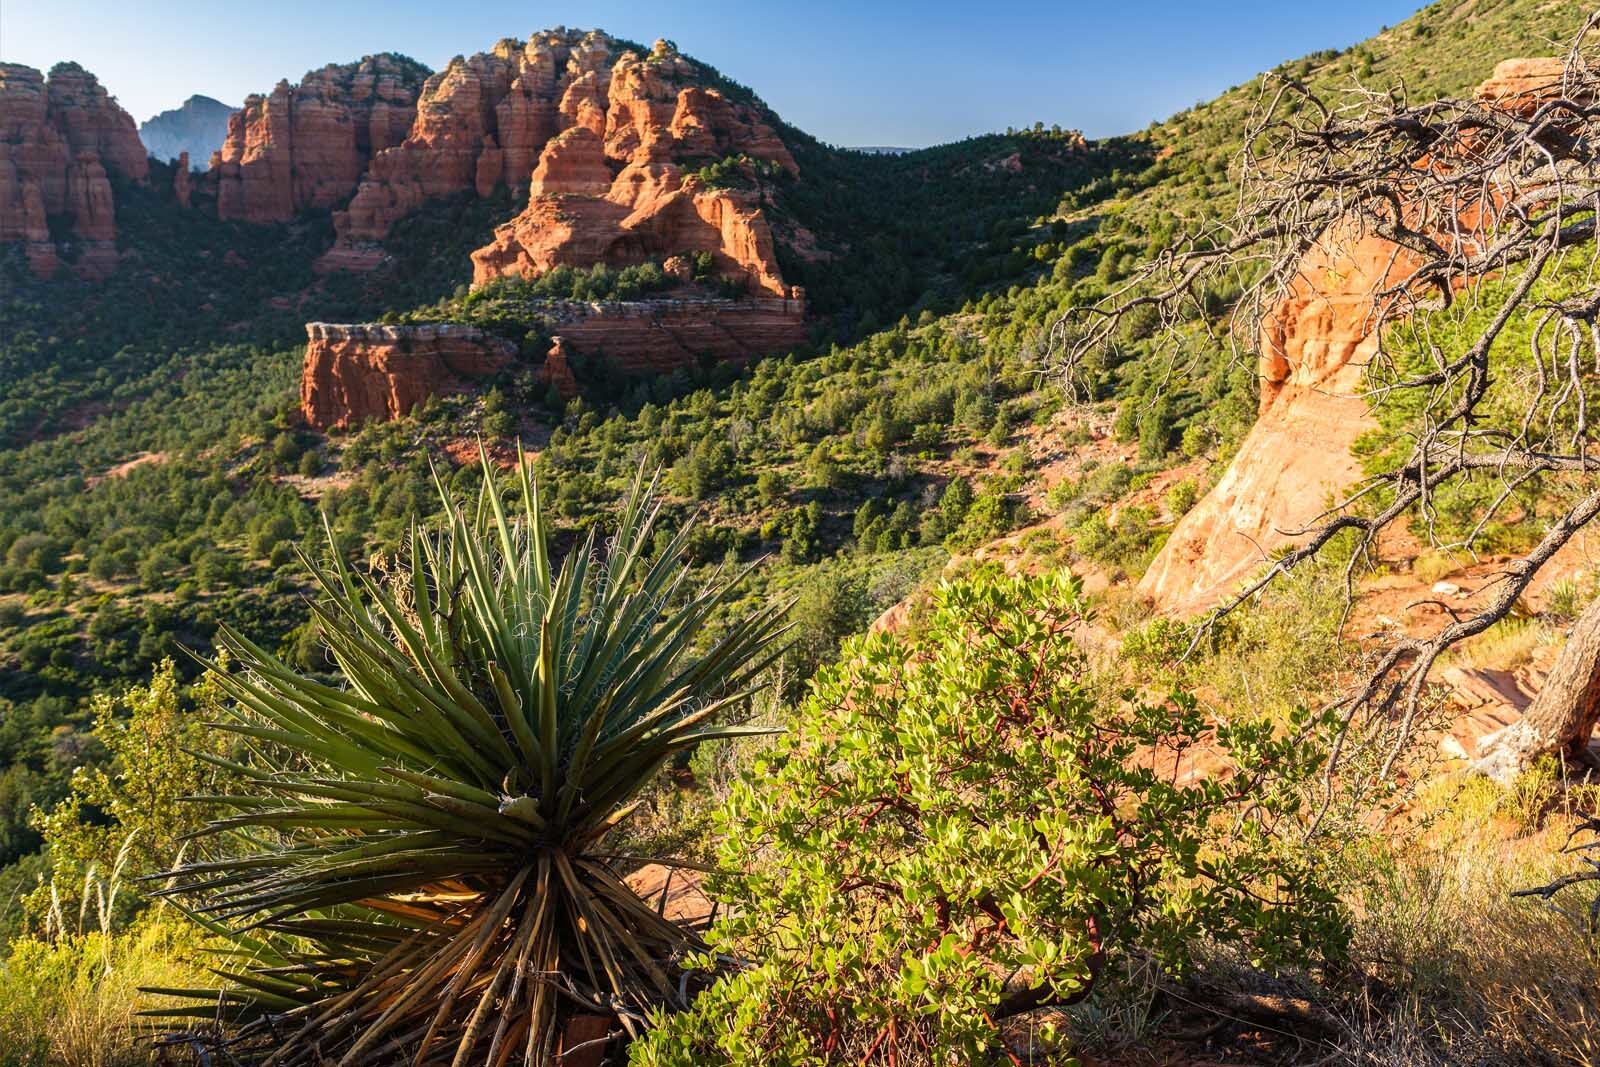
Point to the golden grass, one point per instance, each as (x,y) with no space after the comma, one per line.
(1506,645)
(1468,972)
(1436,564)
(75,1001)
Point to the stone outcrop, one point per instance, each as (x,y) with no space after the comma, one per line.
(659,336)
(61,139)
(1521,85)
(354,373)
(606,140)
(308,145)
(481,122)
(182,181)
(1315,346)
(613,187)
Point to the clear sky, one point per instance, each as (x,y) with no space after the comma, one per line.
(869,72)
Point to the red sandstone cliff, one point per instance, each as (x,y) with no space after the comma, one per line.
(613,188)
(360,372)
(60,139)
(1315,347)
(353,373)
(604,136)
(307,145)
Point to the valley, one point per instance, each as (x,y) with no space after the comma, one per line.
(909,474)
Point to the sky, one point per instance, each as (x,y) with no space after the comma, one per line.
(871,72)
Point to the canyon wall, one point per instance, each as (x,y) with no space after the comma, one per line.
(60,140)
(306,146)
(354,373)
(1314,346)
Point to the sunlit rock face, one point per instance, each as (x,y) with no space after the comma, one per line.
(61,138)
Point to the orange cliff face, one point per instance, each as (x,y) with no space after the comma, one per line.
(355,373)
(481,122)
(612,187)
(307,146)
(374,141)
(1315,346)
(60,140)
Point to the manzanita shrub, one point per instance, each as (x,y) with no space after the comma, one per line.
(962,825)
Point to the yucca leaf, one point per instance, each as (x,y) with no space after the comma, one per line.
(411,850)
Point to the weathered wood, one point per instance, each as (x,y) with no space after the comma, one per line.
(1563,714)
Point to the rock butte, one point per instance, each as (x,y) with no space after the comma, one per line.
(306,146)
(1315,346)
(606,142)
(60,139)
(612,187)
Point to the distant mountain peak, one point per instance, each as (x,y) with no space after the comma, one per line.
(197,126)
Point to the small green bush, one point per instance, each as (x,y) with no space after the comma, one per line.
(962,804)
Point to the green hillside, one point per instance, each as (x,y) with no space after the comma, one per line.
(156,483)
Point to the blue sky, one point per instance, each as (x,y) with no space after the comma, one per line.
(863,73)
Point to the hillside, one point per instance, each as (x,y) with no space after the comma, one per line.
(170,434)
(212,393)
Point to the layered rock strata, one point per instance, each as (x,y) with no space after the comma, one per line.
(307,146)
(353,373)
(356,373)
(61,139)
(660,336)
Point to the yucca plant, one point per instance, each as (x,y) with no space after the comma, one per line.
(422,876)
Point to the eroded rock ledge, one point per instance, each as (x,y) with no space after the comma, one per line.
(359,372)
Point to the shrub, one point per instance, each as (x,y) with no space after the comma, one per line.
(499,716)
(960,826)
(1181,497)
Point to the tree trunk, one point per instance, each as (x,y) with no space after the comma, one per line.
(1562,717)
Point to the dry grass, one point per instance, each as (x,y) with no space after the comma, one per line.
(1437,564)
(75,1001)
(1506,645)
(1457,971)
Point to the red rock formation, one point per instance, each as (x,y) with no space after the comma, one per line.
(1315,347)
(307,146)
(59,138)
(656,336)
(511,115)
(481,121)
(1520,85)
(558,369)
(355,373)
(182,183)
(615,191)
